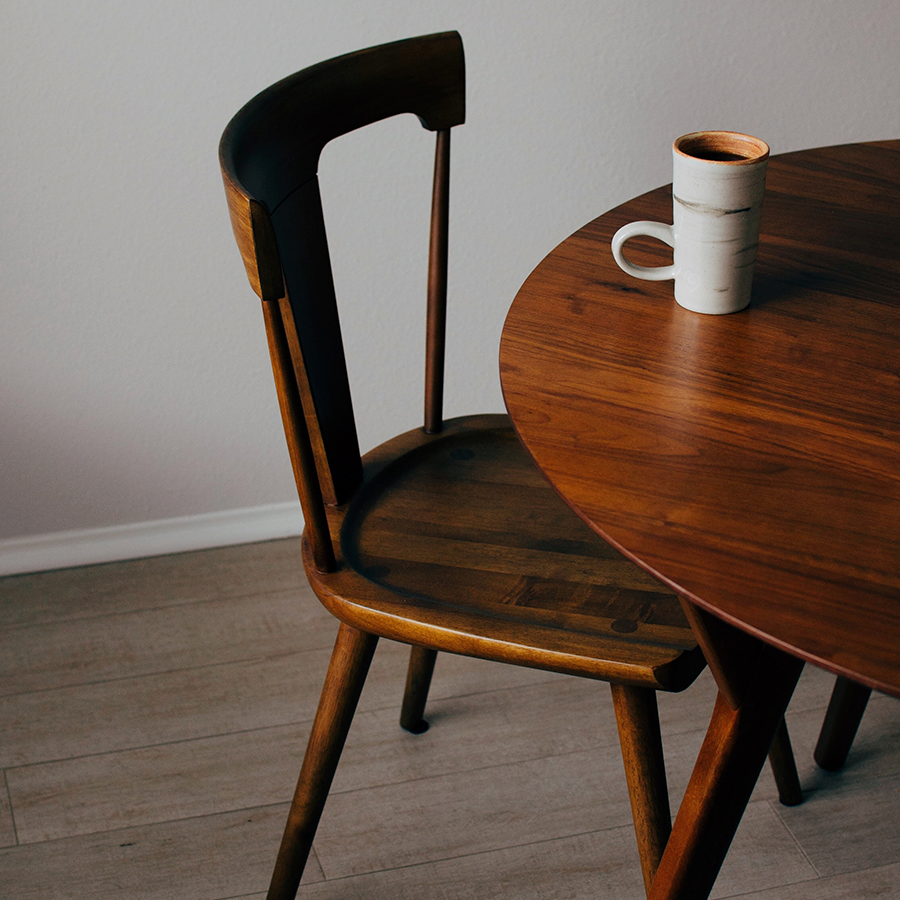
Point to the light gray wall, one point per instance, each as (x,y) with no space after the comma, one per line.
(134,381)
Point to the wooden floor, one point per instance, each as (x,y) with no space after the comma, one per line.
(153,715)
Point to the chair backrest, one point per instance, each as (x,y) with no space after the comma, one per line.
(269,157)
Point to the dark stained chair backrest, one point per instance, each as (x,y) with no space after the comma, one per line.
(269,156)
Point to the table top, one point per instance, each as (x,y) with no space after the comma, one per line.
(750,461)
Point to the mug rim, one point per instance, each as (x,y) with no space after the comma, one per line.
(726,140)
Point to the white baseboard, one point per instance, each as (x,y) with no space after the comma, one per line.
(64,549)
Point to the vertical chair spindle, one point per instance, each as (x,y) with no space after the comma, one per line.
(437,286)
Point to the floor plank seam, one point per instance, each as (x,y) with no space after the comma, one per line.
(334,792)
(292,723)
(149,825)
(797,711)
(462,856)
(500,690)
(138,748)
(114,614)
(755,891)
(849,776)
(12,813)
(776,808)
(255,658)
(437,698)
(252,896)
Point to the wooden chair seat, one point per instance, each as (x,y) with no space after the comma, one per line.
(456,542)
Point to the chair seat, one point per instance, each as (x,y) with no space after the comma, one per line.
(461,536)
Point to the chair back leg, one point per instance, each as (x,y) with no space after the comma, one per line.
(415,696)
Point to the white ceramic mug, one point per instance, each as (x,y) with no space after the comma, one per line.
(719,178)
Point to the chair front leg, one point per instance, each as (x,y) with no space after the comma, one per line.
(344,682)
(637,716)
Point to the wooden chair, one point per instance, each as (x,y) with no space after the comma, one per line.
(446,537)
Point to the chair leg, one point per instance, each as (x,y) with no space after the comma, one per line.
(845,712)
(415,696)
(784,768)
(637,716)
(343,684)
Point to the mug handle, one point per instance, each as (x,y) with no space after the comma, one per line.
(664,233)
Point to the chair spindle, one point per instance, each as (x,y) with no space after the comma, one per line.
(437,286)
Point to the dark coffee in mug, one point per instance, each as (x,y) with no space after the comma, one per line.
(721,146)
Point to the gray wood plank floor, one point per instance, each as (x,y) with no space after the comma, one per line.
(153,715)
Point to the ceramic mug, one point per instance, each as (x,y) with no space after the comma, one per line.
(719,178)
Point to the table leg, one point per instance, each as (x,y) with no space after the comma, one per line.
(731,758)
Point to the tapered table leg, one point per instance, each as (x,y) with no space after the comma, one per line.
(731,758)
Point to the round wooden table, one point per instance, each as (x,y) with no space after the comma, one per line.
(750,461)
